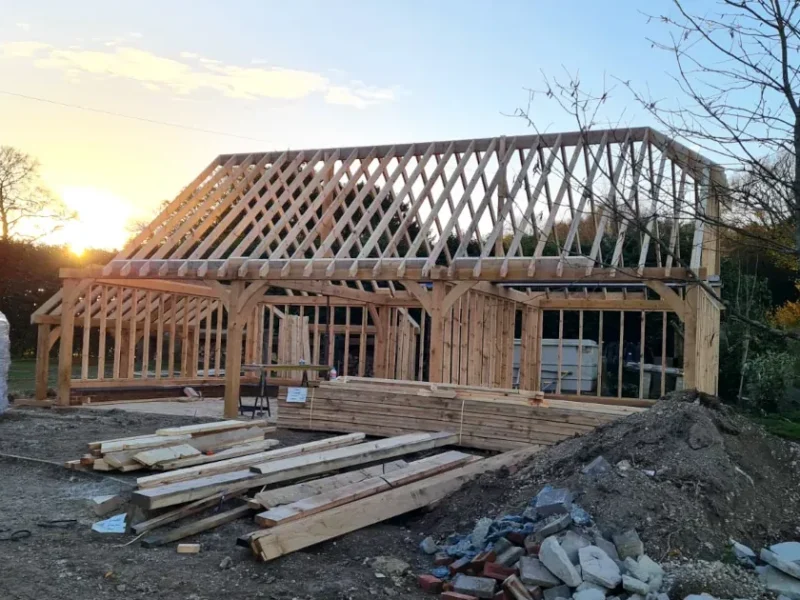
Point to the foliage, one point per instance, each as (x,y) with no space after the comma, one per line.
(769,377)
(787,315)
(28,210)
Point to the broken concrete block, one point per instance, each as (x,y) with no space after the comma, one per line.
(634,570)
(530,514)
(597,567)
(480,531)
(510,556)
(556,560)
(788,567)
(628,544)
(789,551)
(501,546)
(480,587)
(591,594)
(533,572)
(634,586)
(551,501)
(103,505)
(579,516)
(571,543)
(552,525)
(597,467)
(650,567)
(606,546)
(744,554)
(588,585)
(561,591)
(429,546)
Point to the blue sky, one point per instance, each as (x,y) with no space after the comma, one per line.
(291,75)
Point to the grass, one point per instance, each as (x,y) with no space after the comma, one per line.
(22,374)
(785,426)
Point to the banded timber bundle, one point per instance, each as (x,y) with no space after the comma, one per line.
(482,418)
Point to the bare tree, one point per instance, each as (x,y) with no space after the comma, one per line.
(28,210)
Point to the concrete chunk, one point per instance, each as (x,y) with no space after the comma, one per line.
(510,556)
(571,543)
(556,560)
(597,567)
(591,594)
(428,546)
(787,551)
(561,591)
(480,587)
(606,546)
(650,567)
(551,501)
(480,531)
(788,567)
(597,467)
(588,585)
(533,572)
(628,544)
(634,570)
(634,586)
(552,525)
(501,546)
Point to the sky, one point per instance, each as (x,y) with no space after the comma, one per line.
(260,75)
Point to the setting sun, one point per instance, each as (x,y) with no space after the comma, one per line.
(101,219)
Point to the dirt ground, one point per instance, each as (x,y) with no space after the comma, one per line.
(75,563)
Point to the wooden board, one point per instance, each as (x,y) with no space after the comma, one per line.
(139,443)
(232,452)
(298,491)
(236,463)
(196,527)
(284,539)
(227,439)
(204,428)
(416,470)
(286,470)
(160,455)
(179,513)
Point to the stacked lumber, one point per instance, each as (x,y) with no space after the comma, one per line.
(481,417)
(179,447)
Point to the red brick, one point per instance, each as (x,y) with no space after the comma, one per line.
(498,572)
(515,537)
(448,586)
(536,592)
(481,559)
(456,596)
(460,566)
(532,546)
(430,584)
(442,558)
(501,595)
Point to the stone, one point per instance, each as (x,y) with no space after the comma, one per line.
(579,516)
(662,596)
(226,563)
(588,585)
(624,465)
(744,554)
(551,501)
(701,436)
(561,591)
(480,587)
(510,556)
(702,596)
(501,546)
(429,546)
(606,546)
(556,560)
(628,544)
(530,514)
(571,543)
(774,559)
(552,525)
(480,531)
(597,467)
(430,584)
(789,551)
(655,583)
(533,572)
(389,565)
(589,595)
(634,586)
(650,567)
(597,567)
(634,570)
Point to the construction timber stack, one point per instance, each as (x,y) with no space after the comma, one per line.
(488,419)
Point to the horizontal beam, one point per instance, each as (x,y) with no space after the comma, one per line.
(287,270)
(600,304)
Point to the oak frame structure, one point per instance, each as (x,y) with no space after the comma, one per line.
(456,237)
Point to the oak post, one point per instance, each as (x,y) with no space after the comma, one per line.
(42,360)
(69,293)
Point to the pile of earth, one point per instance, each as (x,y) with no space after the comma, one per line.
(689,475)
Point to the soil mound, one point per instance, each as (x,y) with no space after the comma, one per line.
(689,474)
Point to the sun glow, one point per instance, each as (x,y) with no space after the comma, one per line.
(101,219)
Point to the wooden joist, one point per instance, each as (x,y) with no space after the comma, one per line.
(284,539)
(161,455)
(286,470)
(415,471)
(186,510)
(241,462)
(140,443)
(206,428)
(232,452)
(198,526)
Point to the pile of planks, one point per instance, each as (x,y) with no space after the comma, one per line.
(481,417)
(178,447)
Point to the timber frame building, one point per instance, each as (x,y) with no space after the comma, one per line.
(442,261)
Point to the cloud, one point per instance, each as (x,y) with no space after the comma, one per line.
(24,26)
(196,74)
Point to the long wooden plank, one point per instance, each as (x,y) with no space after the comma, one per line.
(298,491)
(179,513)
(203,428)
(197,526)
(415,471)
(284,470)
(237,463)
(160,455)
(150,441)
(227,439)
(327,460)
(232,452)
(303,533)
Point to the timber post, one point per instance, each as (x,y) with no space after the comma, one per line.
(233,351)
(437,332)
(70,292)
(690,336)
(42,360)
